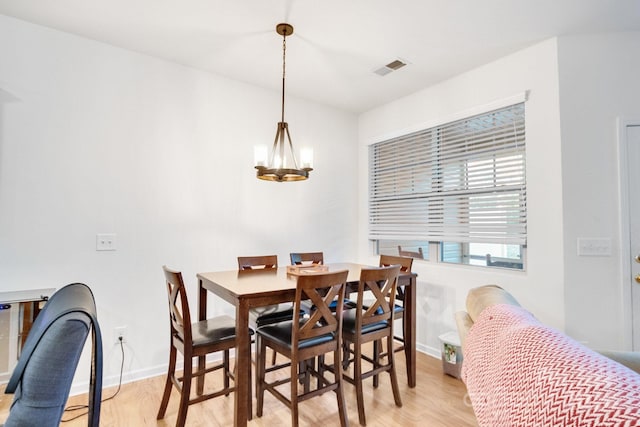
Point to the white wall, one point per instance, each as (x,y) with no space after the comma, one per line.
(96,139)
(599,83)
(443,288)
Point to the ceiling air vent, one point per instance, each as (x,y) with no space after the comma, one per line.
(391,66)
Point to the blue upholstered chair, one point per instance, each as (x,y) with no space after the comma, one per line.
(42,378)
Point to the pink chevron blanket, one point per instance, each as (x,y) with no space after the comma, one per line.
(519,372)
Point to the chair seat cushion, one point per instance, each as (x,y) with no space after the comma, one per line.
(349,323)
(266,315)
(216,329)
(281,332)
(307,307)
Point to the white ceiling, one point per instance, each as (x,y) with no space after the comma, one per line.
(337,44)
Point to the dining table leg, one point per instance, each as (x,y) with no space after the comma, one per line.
(202,315)
(410,331)
(243,397)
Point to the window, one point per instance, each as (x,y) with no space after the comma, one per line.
(483,254)
(461,185)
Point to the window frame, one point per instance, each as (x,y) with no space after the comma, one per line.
(493,163)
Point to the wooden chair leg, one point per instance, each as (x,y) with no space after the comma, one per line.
(260,374)
(345,356)
(321,368)
(405,326)
(294,393)
(357,376)
(187,374)
(225,364)
(377,349)
(200,380)
(304,369)
(250,396)
(168,384)
(392,372)
(342,405)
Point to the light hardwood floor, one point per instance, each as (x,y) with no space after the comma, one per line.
(438,400)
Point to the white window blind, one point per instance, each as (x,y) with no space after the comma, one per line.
(463,181)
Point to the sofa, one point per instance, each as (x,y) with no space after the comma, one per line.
(519,372)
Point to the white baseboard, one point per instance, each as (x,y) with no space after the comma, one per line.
(429,351)
(155,371)
(128,377)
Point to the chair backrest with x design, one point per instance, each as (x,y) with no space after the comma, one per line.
(321,323)
(405,264)
(311,337)
(381,283)
(372,322)
(178,306)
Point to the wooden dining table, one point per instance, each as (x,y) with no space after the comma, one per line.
(255,288)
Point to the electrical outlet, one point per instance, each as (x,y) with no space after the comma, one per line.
(120,335)
(105,242)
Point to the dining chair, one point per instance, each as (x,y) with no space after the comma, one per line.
(399,312)
(314,258)
(260,316)
(303,340)
(371,323)
(299,258)
(197,339)
(260,262)
(412,254)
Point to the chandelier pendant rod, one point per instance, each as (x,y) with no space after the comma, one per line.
(283,125)
(284,59)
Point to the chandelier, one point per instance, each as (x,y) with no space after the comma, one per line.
(281,164)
